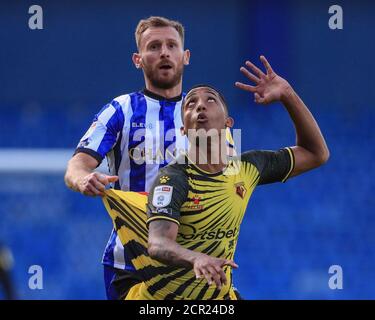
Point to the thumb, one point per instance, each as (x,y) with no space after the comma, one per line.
(259,99)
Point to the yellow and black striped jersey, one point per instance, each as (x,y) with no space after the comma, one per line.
(208,207)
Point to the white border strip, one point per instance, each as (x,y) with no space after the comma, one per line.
(34,160)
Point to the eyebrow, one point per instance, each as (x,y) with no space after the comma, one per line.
(207,91)
(148,42)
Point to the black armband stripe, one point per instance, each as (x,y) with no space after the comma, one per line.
(90,152)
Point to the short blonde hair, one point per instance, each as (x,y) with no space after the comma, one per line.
(157,22)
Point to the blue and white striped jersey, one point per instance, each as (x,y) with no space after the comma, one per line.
(138,133)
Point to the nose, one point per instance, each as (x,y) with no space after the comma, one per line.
(201,106)
(164,52)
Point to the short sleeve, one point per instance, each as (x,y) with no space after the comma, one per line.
(103,133)
(273,166)
(167,195)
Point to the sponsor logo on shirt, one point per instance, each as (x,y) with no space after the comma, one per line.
(195,205)
(141,125)
(217,234)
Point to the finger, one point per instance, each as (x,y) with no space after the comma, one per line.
(223,277)
(259,99)
(96,191)
(231,263)
(215,276)
(198,273)
(266,64)
(102,178)
(256,97)
(221,274)
(249,75)
(255,69)
(112,178)
(92,191)
(245,87)
(98,185)
(95,180)
(88,193)
(207,275)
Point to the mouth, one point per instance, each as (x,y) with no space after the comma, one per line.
(165,66)
(202,118)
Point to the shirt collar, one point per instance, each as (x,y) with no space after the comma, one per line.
(161,98)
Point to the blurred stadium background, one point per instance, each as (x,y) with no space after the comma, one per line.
(54,80)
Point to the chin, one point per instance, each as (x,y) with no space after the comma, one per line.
(168,83)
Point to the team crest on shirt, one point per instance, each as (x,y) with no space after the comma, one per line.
(164,179)
(162,196)
(240,189)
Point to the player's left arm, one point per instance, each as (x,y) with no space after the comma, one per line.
(310,150)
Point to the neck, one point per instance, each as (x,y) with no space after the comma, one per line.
(166,93)
(211,158)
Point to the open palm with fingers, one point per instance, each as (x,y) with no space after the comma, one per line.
(269,87)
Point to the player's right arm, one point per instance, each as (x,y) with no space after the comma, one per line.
(80,175)
(167,195)
(99,139)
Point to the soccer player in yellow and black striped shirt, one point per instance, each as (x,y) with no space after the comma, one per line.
(196,205)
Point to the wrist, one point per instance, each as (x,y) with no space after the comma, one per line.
(194,257)
(287,94)
(76,184)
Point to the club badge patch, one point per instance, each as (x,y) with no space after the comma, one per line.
(164,179)
(162,196)
(240,189)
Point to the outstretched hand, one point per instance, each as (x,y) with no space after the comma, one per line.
(94,184)
(269,87)
(211,269)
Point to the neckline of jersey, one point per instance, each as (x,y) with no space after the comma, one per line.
(211,174)
(158,97)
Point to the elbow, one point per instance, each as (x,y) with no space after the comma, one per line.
(67,178)
(322,157)
(152,249)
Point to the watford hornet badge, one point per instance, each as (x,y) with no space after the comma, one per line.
(240,189)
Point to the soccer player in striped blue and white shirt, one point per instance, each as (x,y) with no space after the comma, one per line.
(138,133)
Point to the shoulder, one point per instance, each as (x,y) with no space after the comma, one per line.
(175,170)
(251,156)
(121,101)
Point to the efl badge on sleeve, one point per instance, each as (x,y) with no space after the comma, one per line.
(162,196)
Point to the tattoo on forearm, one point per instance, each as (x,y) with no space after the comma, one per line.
(165,249)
